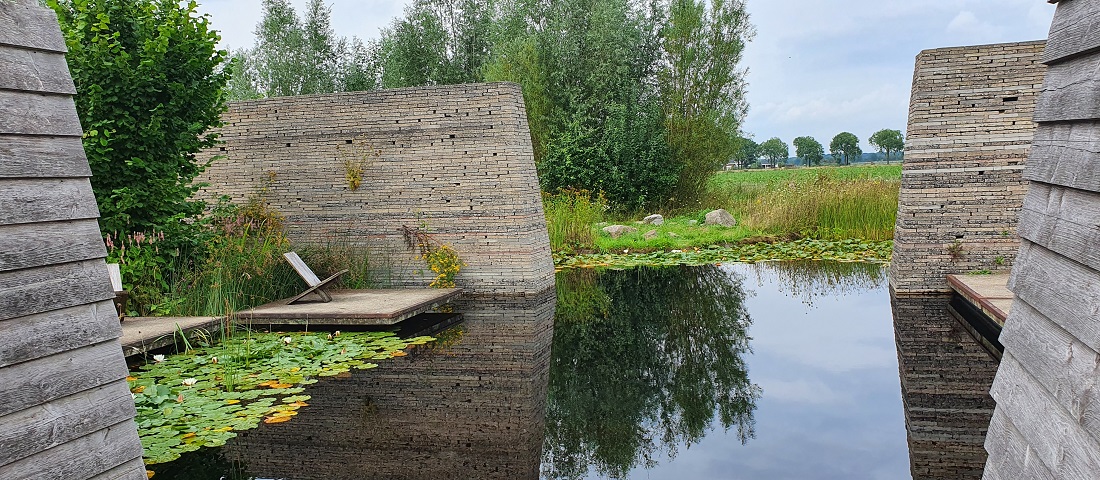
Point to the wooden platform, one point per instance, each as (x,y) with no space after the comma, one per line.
(351,307)
(989,293)
(142,334)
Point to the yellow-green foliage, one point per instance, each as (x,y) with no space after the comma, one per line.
(444,262)
(829,203)
(570,218)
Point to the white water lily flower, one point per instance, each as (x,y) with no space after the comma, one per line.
(189,382)
(213,359)
(158,358)
(336,333)
(677,251)
(286,340)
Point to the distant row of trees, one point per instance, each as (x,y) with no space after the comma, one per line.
(843,148)
(641,101)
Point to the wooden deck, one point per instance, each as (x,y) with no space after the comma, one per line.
(142,334)
(351,307)
(989,293)
(348,307)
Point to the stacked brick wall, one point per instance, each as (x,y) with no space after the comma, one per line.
(945,378)
(970,128)
(455,160)
(470,410)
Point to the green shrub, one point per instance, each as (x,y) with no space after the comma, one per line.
(570,219)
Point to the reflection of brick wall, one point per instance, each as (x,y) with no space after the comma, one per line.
(473,410)
(969,132)
(945,379)
(455,158)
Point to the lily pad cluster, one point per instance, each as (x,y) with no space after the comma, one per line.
(203,397)
(805,249)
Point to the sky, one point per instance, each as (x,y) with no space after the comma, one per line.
(815,67)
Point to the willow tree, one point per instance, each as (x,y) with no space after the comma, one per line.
(702,87)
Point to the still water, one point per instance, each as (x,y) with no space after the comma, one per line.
(767,371)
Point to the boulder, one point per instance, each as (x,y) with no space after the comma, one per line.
(720,217)
(617,231)
(653,220)
(650,235)
(693,222)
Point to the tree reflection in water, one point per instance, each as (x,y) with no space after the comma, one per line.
(644,360)
(809,281)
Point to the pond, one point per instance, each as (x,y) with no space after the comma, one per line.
(770,370)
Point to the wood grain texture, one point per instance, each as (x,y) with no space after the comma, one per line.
(48,425)
(1066,292)
(1056,438)
(1075,29)
(1066,154)
(42,157)
(35,71)
(38,114)
(43,289)
(1071,91)
(29,25)
(1010,457)
(1065,367)
(32,383)
(1064,220)
(84,457)
(131,470)
(46,200)
(41,335)
(33,245)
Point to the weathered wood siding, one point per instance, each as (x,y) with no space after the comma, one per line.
(1047,419)
(65,409)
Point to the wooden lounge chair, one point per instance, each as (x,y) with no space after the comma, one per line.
(315,285)
(121,295)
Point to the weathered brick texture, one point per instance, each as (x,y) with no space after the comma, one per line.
(970,129)
(945,379)
(456,159)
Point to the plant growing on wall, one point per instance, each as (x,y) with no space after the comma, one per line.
(441,259)
(355,160)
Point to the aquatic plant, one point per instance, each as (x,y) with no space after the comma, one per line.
(804,249)
(202,398)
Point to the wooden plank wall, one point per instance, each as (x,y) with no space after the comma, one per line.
(65,408)
(1047,420)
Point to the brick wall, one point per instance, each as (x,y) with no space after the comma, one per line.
(970,128)
(473,410)
(456,159)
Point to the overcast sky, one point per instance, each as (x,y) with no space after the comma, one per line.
(816,67)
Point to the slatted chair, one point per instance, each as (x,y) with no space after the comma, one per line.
(315,285)
(121,295)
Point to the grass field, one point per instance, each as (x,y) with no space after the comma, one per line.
(829,203)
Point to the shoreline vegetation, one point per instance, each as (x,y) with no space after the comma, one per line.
(818,213)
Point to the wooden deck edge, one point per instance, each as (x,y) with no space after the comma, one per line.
(982,302)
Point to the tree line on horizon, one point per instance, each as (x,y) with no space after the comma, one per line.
(638,101)
(843,149)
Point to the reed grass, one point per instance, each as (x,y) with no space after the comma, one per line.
(571,216)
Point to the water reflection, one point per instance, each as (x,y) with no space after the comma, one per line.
(644,361)
(810,281)
(471,409)
(945,380)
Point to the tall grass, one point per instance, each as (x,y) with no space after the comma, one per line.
(571,217)
(825,205)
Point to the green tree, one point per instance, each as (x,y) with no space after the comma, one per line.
(845,147)
(437,42)
(702,86)
(747,152)
(300,56)
(775,150)
(888,141)
(149,81)
(809,150)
